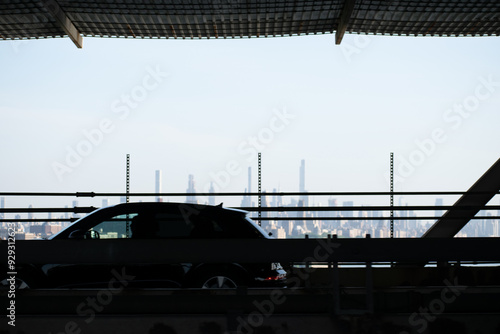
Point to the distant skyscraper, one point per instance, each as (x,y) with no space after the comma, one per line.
(191,189)
(247,199)
(348,213)
(30,214)
(274,201)
(158,185)
(265,224)
(277,200)
(302,183)
(302,176)
(211,197)
(439,202)
(75,204)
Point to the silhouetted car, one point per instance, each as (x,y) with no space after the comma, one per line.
(165,221)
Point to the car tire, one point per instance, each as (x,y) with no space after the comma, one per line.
(20,284)
(218,282)
(218,279)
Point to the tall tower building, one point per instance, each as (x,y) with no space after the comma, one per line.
(158,185)
(191,189)
(30,214)
(439,202)
(211,197)
(247,199)
(265,224)
(302,183)
(302,176)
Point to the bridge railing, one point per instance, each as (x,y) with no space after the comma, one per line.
(386,214)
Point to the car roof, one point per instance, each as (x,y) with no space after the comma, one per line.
(160,206)
(173,205)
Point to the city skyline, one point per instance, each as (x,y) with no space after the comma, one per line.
(431,101)
(201,197)
(348,223)
(184,107)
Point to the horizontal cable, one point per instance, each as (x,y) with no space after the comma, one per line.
(281,209)
(82,209)
(369,208)
(365,218)
(24,220)
(316,193)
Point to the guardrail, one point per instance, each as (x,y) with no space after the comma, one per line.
(325,250)
(376,211)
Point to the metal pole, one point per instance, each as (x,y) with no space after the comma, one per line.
(392,195)
(127,197)
(127,180)
(260,186)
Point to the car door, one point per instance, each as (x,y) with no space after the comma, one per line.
(93,274)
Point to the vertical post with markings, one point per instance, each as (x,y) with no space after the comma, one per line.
(127,192)
(260,186)
(392,195)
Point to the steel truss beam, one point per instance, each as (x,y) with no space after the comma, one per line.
(64,21)
(344,20)
(468,205)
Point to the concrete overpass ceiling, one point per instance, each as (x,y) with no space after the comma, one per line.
(201,19)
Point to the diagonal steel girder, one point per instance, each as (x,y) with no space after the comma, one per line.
(345,15)
(64,21)
(468,205)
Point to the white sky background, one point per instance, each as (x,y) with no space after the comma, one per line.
(351,106)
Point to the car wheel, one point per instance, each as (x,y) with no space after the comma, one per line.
(18,284)
(219,282)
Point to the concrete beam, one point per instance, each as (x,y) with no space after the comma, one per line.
(64,22)
(411,250)
(344,20)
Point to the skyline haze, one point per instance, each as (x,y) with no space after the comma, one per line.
(207,108)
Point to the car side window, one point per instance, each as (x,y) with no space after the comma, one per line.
(173,225)
(193,225)
(116,227)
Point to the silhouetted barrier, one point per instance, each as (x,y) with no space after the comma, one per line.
(328,250)
(375,213)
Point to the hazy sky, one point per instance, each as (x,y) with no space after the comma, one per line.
(205,107)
